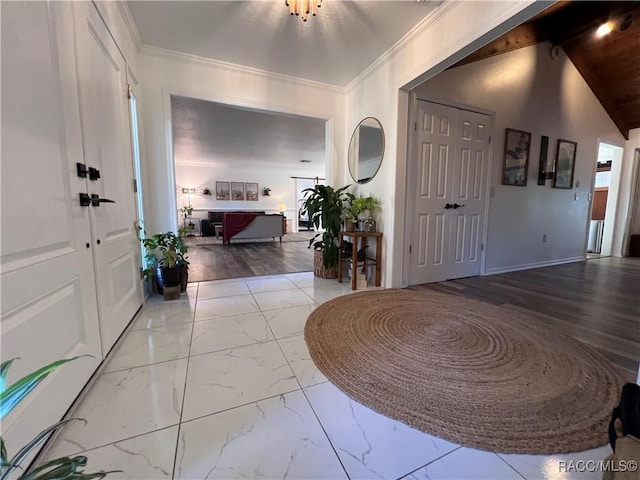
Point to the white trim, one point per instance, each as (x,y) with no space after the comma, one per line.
(233,67)
(528,266)
(130,23)
(470,40)
(409,37)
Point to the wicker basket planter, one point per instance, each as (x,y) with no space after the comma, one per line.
(318,267)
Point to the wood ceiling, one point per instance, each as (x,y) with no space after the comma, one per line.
(610,65)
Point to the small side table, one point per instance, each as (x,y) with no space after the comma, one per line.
(363,236)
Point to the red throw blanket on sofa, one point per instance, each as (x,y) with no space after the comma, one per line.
(234,223)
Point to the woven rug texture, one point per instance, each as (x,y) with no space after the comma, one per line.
(469,372)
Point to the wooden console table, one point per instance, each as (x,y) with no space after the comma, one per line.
(363,236)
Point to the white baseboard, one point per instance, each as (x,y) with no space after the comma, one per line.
(528,266)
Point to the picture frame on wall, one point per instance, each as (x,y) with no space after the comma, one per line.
(251,191)
(237,190)
(515,166)
(565,164)
(222,191)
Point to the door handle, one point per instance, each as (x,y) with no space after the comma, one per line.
(455,206)
(96,200)
(448,206)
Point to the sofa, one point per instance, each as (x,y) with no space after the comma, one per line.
(239,225)
(215,217)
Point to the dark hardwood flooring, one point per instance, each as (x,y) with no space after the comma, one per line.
(596,301)
(247,259)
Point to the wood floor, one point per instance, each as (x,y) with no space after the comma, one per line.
(247,259)
(596,301)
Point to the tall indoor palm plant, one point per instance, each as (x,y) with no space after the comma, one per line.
(325,206)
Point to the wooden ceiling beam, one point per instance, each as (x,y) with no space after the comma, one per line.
(599,89)
(522,36)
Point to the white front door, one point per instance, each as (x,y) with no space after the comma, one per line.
(107,147)
(49,309)
(450,176)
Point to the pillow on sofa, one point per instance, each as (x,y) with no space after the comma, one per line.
(215,217)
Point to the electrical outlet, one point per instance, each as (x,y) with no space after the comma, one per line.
(544,238)
(575,196)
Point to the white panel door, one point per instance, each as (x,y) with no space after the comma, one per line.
(468,194)
(450,174)
(432,173)
(107,147)
(48,295)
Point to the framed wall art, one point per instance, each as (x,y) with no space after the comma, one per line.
(237,190)
(251,191)
(222,191)
(516,157)
(565,164)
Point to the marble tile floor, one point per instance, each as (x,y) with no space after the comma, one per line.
(220,385)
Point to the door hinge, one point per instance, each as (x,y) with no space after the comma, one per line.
(415,126)
(135,186)
(410,248)
(489,138)
(482,247)
(129,92)
(141,273)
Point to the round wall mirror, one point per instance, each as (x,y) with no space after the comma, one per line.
(366,150)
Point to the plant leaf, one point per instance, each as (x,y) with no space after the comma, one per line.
(10,397)
(64,468)
(4,370)
(24,451)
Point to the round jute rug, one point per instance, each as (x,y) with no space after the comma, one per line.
(473,373)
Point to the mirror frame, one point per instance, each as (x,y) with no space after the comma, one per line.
(351,155)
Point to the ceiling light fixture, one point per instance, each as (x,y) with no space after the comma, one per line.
(303,7)
(604,29)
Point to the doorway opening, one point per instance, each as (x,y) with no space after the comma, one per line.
(236,159)
(604,200)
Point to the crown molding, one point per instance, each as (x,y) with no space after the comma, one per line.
(130,24)
(444,9)
(236,68)
(401,44)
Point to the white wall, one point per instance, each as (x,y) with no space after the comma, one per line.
(529,91)
(283,187)
(453,31)
(165,74)
(628,214)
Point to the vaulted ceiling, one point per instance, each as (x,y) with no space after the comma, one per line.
(609,64)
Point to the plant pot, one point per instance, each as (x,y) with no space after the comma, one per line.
(318,268)
(349,226)
(157,280)
(184,277)
(171,276)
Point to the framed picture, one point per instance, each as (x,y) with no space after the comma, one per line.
(222,191)
(565,164)
(251,190)
(237,191)
(516,157)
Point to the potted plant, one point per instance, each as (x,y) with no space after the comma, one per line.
(361,206)
(166,260)
(325,207)
(62,468)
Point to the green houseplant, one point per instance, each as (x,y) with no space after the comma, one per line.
(361,206)
(60,468)
(325,207)
(166,259)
